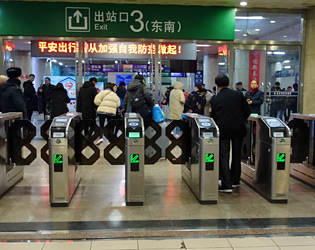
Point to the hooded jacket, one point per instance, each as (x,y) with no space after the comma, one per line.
(59,99)
(85,100)
(132,88)
(107,102)
(12,99)
(177,101)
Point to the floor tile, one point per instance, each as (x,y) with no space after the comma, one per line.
(22,246)
(114,244)
(255,248)
(206,243)
(251,242)
(160,244)
(294,241)
(297,248)
(80,245)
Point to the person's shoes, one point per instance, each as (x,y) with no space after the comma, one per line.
(99,141)
(225,190)
(236,185)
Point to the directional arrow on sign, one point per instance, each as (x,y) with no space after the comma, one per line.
(58,159)
(209,158)
(134,158)
(77,15)
(280,157)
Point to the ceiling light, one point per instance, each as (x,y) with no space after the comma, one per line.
(249,17)
(11,60)
(221,63)
(60,63)
(272,21)
(257,29)
(198,50)
(203,45)
(287,67)
(279,53)
(236,30)
(116,62)
(245,34)
(285,36)
(243,3)
(269,52)
(54,60)
(286,61)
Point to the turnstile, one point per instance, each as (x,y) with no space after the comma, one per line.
(201,168)
(267,168)
(134,159)
(10,173)
(64,171)
(302,165)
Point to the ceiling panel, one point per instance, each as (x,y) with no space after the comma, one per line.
(270,4)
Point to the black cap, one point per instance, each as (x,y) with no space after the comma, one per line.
(238,83)
(14,72)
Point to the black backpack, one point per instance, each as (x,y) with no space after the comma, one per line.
(137,100)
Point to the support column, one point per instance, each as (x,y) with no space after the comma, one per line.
(210,70)
(307,89)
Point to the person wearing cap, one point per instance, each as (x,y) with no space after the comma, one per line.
(3,79)
(12,99)
(239,87)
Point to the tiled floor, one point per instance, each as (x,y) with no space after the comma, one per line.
(246,243)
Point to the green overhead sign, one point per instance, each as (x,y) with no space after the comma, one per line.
(116,20)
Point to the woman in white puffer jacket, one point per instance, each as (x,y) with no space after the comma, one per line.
(177,101)
(107,102)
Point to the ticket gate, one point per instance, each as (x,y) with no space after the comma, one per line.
(10,173)
(266,169)
(302,165)
(201,168)
(64,170)
(134,159)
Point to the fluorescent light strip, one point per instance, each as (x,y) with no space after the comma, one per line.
(249,17)
(287,67)
(286,61)
(278,53)
(203,45)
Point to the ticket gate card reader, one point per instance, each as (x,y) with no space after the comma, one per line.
(269,174)
(64,171)
(134,159)
(201,169)
(10,173)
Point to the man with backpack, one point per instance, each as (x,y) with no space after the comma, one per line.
(138,98)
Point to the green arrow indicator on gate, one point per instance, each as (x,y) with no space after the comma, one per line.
(280,157)
(58,159)
(134,158)
(209,158)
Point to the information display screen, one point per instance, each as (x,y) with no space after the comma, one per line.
(134,135)
(274,123)
(204,120)
(61,120)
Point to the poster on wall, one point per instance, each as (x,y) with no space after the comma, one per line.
(68,83)
(254,66)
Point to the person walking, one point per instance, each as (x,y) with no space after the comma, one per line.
(107,102)
(30,96)
(85,105)
(58,100)
(139,98)
(46,92)
(254,97)
(198,100)
(3,79)
(230,110)
(12,99)
(176,103)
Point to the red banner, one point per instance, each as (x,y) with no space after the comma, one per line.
(254,66)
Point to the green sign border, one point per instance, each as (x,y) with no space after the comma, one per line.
(49,19)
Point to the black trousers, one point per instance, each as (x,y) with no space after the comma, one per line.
(227,175)
(102,118)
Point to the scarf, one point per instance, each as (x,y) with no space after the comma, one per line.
(253,91)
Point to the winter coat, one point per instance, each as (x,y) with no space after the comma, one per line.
(146,109)
(107,102)
(46,93)
(30,96)
(177,101)
(121,92)
(85,100)
(198,103)
(12,99)
(59,99)
(230,110)
(257,99)
(209,96)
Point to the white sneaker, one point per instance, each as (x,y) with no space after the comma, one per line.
(99,141)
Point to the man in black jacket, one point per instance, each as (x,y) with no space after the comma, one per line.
(30,96)
(46,92)
(12,99)
(230,111)
(85,104)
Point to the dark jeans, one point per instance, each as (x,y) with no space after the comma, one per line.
(29,114)
(88,127)
(102,118)
(226,175)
